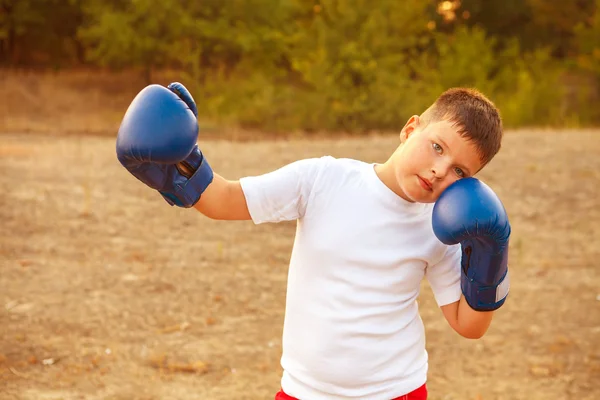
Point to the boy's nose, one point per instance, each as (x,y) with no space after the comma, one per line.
(439,170)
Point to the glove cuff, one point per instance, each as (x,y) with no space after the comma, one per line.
(198,183)
(482,297)
(187,192)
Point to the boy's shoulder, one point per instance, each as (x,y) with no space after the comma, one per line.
(328,173)
(354,178)
(335,164)
(340,170)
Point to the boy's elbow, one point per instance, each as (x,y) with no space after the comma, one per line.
(472,333)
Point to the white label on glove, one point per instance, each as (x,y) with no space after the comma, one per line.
(502,288)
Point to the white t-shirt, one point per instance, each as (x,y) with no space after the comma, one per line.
(352,328)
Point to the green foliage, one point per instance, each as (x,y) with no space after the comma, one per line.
(465,58)
(136,33)
(351,65)
(532,93)
(526,87)
(587,38)
(30,34)
(345,56)
(553,23)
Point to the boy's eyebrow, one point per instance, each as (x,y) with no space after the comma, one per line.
(460,165)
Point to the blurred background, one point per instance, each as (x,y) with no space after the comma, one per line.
(297,65)
(106,292)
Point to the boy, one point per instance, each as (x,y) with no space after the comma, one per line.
(367,234)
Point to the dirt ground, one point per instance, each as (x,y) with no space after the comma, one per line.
(109,293)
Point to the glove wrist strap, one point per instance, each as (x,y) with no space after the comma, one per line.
(198,183)
(187,193)
(482,297)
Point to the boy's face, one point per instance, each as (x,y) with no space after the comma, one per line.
(431,158)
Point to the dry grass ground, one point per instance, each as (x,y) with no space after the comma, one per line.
(109,293)
(81,102)
(75,102)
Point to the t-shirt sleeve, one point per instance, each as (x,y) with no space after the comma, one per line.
(282,195)
(444,276)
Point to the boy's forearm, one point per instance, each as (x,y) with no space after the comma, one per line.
(212,196)
(474,323)
(223,200)
(467,322)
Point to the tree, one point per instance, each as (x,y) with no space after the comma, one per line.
(39,32)
(137,33)
(587,40)
(534,23)
(353,55)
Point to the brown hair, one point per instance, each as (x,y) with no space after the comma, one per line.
(475,116)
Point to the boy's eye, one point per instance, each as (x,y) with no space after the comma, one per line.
(459,172)
(437,147)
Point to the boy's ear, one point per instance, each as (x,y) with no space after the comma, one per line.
(411,125)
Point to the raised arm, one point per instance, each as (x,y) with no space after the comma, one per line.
(156,143)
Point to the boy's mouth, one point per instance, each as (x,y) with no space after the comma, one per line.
(425,184)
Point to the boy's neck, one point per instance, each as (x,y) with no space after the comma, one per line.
(385,173)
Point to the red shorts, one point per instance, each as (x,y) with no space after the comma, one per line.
(417,394)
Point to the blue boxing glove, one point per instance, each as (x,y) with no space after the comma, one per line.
(469,212)
(156,142)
